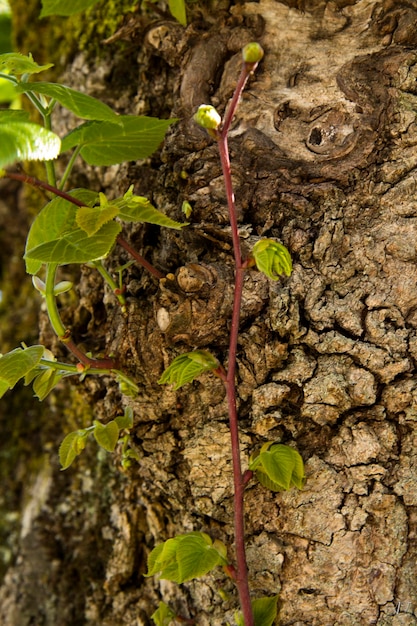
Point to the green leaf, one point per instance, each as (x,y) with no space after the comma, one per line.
(186,367)
(55,236)
(106,435)
(16,64)
(72,445)
(91,219)
(25,141)
(125,421)
(177,9)
(163,616)
(63,7)
(278,467)
(106,143)
(196,557)
(45,381)
(7,89)
(16,364)
(13,115)
(60,210)
(272,258)
(81,104)
(239,619)
(264,611)
(184,557)
(162,560)
(138,209)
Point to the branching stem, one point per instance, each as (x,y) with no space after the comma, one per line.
(40,184)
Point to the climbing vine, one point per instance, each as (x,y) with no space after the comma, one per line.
(81,226)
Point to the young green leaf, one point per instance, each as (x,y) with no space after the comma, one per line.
(55,236)
(126,385)
(186,367)
(72,445)
(45,381)
(125,421)
(127,456)
(177,9)
(138,209)
(16,64)
(62,212)
(91,219)
(278,467)
(81,104)
(12,115)
(25,141)
(272,258)
(264,611)
(163,616)
(185,557)
(162,560)
(106,143)
(7,89)
(187,209)
(63,7)
(196,556)
(16,364)
(106,435)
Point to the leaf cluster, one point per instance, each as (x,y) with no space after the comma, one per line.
(106,435)
(37,366)
(163,616)
(272,258)
(187,367)
(278,467)
(185,557)
(106,138)
(64,233)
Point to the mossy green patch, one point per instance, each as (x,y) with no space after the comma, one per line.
(57,39)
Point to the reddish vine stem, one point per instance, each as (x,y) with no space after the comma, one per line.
(139,258)
(103,364)
(41,184)
(241,579)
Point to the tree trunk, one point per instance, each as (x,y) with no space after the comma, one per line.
(323,159)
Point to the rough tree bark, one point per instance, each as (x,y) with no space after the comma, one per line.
(323,157)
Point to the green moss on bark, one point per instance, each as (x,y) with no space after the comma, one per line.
(57,39)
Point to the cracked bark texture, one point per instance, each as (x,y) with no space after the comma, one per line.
(324,159)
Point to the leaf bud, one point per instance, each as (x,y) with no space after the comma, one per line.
(252,52)
(62,287)
(39,284)
(207,117)
(272,258)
